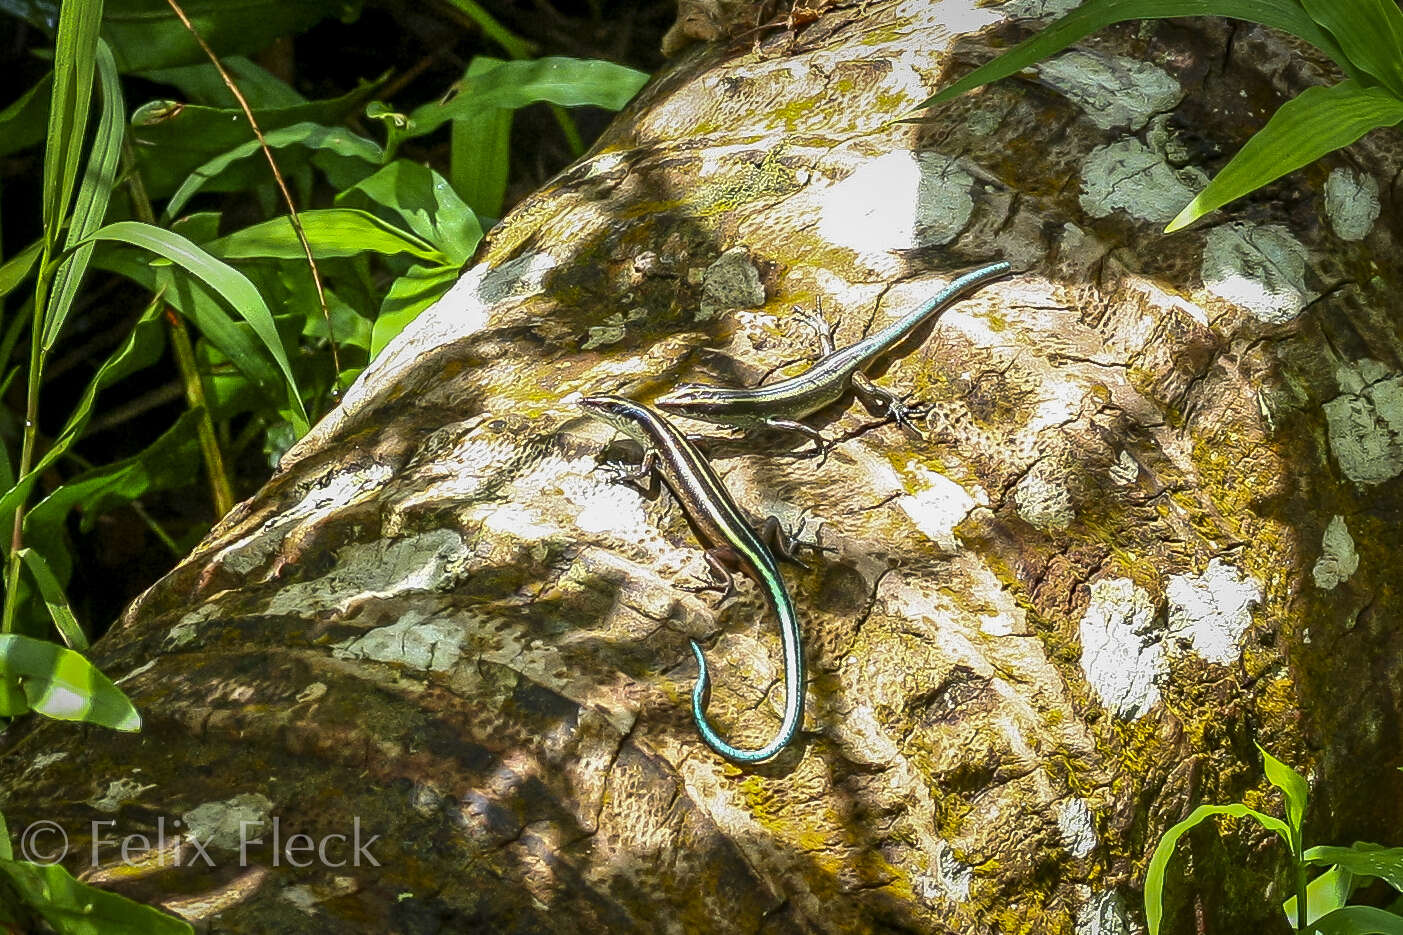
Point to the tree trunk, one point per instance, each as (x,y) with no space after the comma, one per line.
(1151,523)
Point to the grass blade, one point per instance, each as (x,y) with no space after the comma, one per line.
(331,232)
(1286,15)
(74,66)
(62,684)
(17,268)
(231,284)
(93,195)
(51,590)
(1370,32)
(22,122)
(1315,122)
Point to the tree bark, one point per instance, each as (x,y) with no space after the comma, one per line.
(1152,523)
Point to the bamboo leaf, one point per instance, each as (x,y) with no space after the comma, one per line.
(1359,920)
(417,198)
(51,590)
(1286,15)
(1324,895)
(1315,122)
(480,153)
(231,284)
(331,232)
(62,684)
(74,65)
(1362,860)
(1293,786)
(1370,32)
(1159,861)
(93,195)
(17,268)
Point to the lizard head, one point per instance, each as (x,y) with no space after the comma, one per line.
(623,414)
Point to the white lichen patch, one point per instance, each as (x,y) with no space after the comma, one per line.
(602,507)
(1351,203)
(1112,90)
(1105,914)
(429,561)
(118,793)
(732,281)
(900,201)
(417,641)
(44,760)
(1338,560)
(1077,826)
(227,823)
(1211,611)
(938,504)
(1121,655)
(1126,470)
(1365,422)
(1129,176)
(1042,500)
(1261,268)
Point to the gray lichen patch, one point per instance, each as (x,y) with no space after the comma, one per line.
(1338,559)
(228,823)
(1365,422)
(1121,654)
(1105,913)
(119,792)
(1129,176)
(1351,203)
(1042,499)
(1260,268)
(1211,611)
(1112,90)
(1077,826)
(732,281)
(418,642)
(898,201)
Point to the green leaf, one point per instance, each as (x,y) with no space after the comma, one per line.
(51,589)
(1359,920)
(6,853)
(568,81)
(62,684)
(1324,894)
(1293,786)
(17,268)
(74,66)
(74,908)
(1364,860)
(1315,122)
(202,84)
(331,232)
(93,195)
(1159,861)
(419,199)
(407,298)
(1370,32)
(232,285)
(480,153)
(1286,15)
(22,122)
(337,141)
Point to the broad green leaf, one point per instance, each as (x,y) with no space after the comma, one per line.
(313,136)
(1363,860)
(512,44)
(407,298)
(93,195)
(22,122)
(1370,32)
(17,268)
(64,685)
(1315,122)
(1293,786)
(418,198)
(568,81)
(231,284)
(74,65)
(1359,920)
(331,232)
(169,463)
(479,154)
(5,851)
(51,590)
(202,84)
(1159,861)
(1324,895)
(1286,15)
(74,908)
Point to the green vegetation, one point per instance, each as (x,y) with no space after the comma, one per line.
(1320,905)
(1363,37)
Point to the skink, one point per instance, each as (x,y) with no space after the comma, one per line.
(779,405)
(731,542)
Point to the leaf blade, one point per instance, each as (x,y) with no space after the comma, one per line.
(62,684)
(1370,33)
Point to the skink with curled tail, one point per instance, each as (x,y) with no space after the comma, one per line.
(731,542)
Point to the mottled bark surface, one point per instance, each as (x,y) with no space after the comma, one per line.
(1152,522)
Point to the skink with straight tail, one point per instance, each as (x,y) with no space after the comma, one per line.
(779,405)
(731,543)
